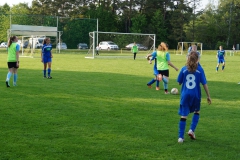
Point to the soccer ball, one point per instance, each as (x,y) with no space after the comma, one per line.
(174,91)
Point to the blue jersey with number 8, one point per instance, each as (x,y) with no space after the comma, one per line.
(191,90)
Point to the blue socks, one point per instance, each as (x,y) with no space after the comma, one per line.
(165,84)
(157,83)
(223,67)
(8,76)
(182,126)
(44,73)
(15,76)
(152,81)
(216,68)
(195,120)
(49,72)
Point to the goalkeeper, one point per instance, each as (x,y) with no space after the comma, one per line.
(134,50)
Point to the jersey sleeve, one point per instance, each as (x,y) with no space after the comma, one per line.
(154,55)
(17,47)
(168,56)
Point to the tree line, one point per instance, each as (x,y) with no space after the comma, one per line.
(172,21)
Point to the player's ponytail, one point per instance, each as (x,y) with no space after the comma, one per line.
(11,40)
(192,62)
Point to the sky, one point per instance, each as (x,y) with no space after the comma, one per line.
(12,2)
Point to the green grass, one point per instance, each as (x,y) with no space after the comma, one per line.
(101,109)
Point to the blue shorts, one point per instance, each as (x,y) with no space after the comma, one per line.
(189,105)
(47,59)
(155,72)
(221,60)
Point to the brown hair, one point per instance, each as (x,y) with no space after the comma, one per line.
(11,40)
(192,61)
(45,40)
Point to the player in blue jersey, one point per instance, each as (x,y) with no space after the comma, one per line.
(190,77)
(12,60)
(220,56)
(194,48)
(163,61)
(46,57)
(155,73)
(189,49)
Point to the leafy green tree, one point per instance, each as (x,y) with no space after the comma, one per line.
(4,22)
(139,23)
(158,27)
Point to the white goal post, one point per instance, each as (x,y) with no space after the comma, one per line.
(105,36)
(182,47)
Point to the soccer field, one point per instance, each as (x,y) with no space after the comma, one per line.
(102,109)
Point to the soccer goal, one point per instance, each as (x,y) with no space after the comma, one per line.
(182,47)
(118,45)
(32,38)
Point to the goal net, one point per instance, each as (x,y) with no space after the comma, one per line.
(118,45)
(182,47)
(31,46)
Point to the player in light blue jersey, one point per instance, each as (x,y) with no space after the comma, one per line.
(189,49)
(190,77)
(194,48)
(220,56)
(46,57)
(155,73)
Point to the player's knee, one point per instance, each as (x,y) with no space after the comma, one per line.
(183,118)
(197,112)
(159,77)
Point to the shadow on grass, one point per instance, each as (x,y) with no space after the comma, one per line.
(95,114)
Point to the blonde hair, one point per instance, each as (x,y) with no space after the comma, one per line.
(192,61)
(163,46)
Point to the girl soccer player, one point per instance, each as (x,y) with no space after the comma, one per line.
(190,77)
(220,56)
(134,50)
(155,72)
(46,57)
(163,60)
(13,60)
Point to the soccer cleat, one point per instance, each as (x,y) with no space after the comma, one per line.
(149,86)
(191,134)
(14,84)
(157,88)
(49,77)
(44,77)
(7,84)
(238,82)
(166,92)
(180,140)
